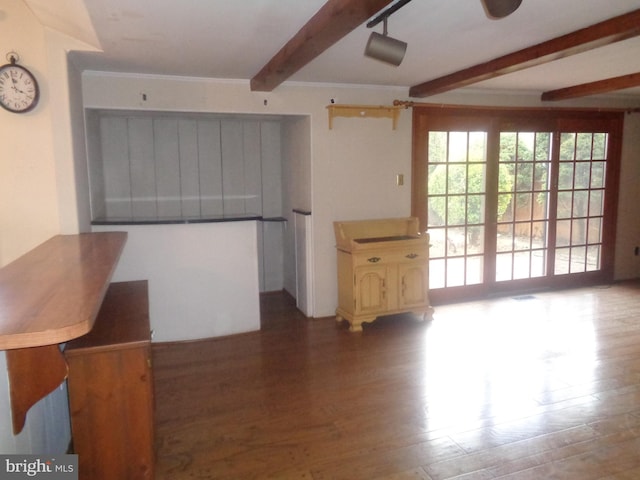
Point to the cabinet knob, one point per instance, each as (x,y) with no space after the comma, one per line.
(374,259)
(412,255)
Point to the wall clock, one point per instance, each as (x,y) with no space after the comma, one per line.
(19,92)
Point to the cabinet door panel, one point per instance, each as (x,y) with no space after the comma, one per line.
(111,404)
(371,289)
(413,286)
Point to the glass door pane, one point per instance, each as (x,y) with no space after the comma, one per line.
(580,211)
(523,205)
(456,191)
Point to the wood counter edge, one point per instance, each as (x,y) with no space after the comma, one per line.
(57,335)
(35,364)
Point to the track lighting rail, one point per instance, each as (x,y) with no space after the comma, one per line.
(387,13)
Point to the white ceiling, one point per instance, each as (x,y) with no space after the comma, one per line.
(234,39)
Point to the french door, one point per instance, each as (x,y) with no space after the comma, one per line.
(515,201)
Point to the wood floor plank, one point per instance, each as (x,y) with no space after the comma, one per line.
(415,474)
(631,474)
(485,390)
(491,458)
(604,458)
(386,461)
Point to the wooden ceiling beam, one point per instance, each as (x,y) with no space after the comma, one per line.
(604,33)
(593,88)
(332,22)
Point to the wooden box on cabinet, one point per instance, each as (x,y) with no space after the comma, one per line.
(111,389)
(383,269)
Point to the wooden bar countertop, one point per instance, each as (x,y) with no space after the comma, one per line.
(53,293)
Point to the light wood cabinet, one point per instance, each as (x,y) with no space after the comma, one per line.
(383,269)
(111,389)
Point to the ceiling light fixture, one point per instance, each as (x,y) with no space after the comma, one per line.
(500,8)
(390,50)
(384,48)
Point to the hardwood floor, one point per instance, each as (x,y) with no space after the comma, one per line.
(538,387)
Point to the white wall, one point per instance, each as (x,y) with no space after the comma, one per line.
(29,211)
(627,264)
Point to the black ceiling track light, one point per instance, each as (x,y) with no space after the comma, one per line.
(390,50)
(500,8)
(383,47)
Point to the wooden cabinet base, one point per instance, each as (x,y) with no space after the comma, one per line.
(356,321)
(111,389)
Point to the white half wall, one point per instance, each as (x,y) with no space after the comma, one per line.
(203,277)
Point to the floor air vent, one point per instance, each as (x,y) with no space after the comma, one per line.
(524,297)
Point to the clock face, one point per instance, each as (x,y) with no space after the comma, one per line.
(18,89)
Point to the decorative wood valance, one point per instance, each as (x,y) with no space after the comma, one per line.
(364,111)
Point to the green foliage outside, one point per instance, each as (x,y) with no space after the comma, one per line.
(457,172)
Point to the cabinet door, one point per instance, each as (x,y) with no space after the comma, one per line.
(414,284)
(112,408)
(371,289)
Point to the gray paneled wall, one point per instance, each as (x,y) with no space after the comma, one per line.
(165,166)
(157,165)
